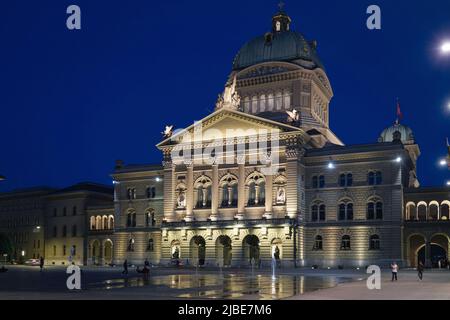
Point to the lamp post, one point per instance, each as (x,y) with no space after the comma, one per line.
(445,47)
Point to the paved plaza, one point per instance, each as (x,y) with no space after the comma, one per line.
(169,284)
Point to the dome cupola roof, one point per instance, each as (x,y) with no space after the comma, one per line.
(397,132)
(280,45)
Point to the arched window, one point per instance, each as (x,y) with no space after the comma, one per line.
(375,178)
(262,103)
(410,212)
(371,178)
(321,182)
(111,223)
(322,213)
(346,211)
(150,245)
(150,218)
(318,243)
(315,182)
(445,211)
(254,104)
(229,195)
(246,104)
(378,178)
(270,102)
(374,242)
(92,223)
(98,223)
(74,231)
(346,180)
(434,211)
(287,99)
(315,213)
(349,180)
(256,190)
(203,192)
(379,210)
(375,210)
(105,223)
(131,219)
(422,211)
(346,243)
(279,101)
(342,180)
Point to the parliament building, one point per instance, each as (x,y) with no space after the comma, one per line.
(262,178)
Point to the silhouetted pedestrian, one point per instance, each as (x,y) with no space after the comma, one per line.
(394,268)
(41,263)
(420,269)
(125,267)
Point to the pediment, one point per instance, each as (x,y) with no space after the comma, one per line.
(229,124)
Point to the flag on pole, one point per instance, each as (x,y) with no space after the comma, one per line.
(399,111)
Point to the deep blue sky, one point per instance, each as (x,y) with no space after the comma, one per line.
(72,102)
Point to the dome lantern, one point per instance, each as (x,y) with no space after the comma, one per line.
(281,22)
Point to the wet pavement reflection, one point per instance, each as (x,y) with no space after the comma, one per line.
(224,286)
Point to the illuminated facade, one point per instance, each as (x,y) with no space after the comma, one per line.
(263,178)
(325,204)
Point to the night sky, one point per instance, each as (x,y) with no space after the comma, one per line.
(72,102)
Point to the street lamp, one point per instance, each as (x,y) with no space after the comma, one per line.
(445,48)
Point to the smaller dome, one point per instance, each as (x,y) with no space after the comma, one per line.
(397,132)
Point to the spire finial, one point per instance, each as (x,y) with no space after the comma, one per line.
(281,21)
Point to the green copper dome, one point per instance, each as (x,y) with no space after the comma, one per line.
(397,132)
(286,46)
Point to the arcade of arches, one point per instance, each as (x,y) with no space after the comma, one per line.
(431,250)
(223,251)
(100,252)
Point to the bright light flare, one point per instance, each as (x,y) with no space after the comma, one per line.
(445,48)
(443,163)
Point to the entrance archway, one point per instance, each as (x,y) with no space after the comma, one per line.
(438,255)
(198,250)
(95,252)
(251,249)
(108,249)
(223,251)
(415,243)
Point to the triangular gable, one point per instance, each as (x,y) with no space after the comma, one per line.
(230,124)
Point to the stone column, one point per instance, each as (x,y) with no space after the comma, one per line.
(169,190)
(215,193)
(292,183)
(428,254)
(269,196)
(190,192)
(241,188)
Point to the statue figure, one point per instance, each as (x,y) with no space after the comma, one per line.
(168,131)
(181,200)
(281,196)
(229,98)
(293,117)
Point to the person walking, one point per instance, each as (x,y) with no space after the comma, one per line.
(420,268)
(394,268)
(125,267)
(41,263)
